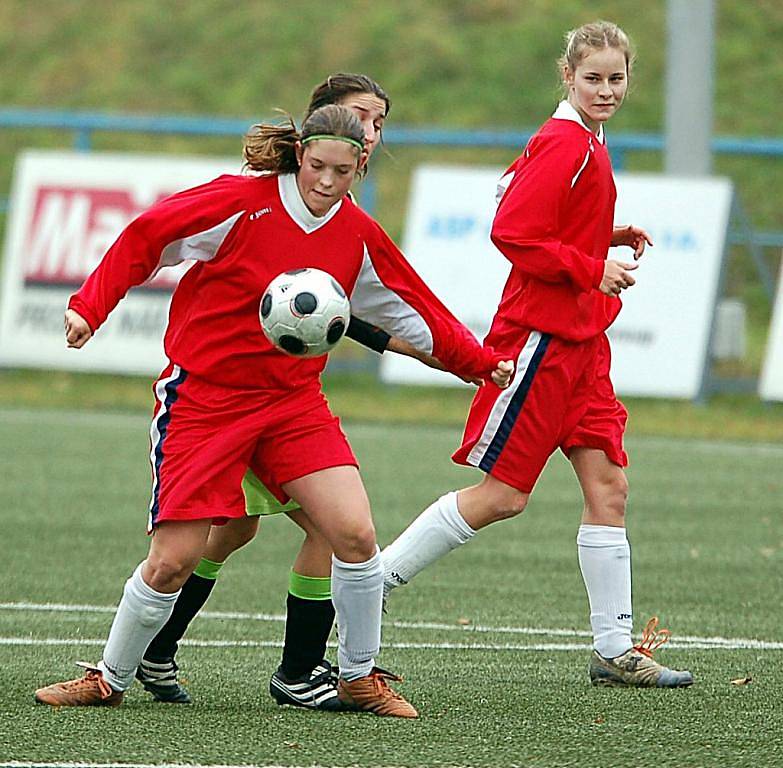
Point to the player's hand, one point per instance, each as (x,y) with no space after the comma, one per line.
(501,376)
(77,329)
(633,237)
(616,277)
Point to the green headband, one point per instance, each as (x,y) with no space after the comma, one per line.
(346,139)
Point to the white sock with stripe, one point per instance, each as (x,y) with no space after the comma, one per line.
(605,561)
(357,593)
(140,615)
(434,533)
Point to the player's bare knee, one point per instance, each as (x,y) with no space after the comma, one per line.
(617,493)
(607,503)
(509,504)
(357,544)
(167,573)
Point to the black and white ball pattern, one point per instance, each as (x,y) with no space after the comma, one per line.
(304,312)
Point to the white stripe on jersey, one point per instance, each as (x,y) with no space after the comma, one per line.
(374,303)
(504,399)
(160,396)
(503,184)
(582,167)
(202,246)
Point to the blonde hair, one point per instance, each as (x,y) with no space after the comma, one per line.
(272,148)
(595,36)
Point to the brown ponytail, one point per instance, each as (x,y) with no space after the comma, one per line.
(272,148)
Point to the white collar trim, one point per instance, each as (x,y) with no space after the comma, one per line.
(295,207)
(565,111)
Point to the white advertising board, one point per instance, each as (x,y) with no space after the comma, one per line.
(771,384)
(67,208)
(661,339)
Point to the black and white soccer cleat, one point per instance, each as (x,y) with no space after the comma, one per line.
(160,679)
(316,689)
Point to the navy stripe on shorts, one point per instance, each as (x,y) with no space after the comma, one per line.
(166,394)
(509,417)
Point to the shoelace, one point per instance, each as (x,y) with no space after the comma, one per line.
(384,673)
(91,677)
(652,638)
(379,677)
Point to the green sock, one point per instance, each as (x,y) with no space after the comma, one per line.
(310,587)
(208,569)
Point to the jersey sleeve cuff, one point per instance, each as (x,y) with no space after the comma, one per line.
(598,273)
(78,306)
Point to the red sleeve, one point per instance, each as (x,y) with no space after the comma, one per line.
(139,250)
(526,229)
(452,343)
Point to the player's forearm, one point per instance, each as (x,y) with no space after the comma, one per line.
(402,347)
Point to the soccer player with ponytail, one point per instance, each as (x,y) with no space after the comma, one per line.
(555,224)
(304,678)
(228,400)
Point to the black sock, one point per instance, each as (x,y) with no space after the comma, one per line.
(307,629)
(195,592)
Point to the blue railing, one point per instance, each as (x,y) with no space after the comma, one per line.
(84,124)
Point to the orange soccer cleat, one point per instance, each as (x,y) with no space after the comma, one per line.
(88,691)
(373,694)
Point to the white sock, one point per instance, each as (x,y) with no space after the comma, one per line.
(605,560)
(140,615)
(434,533)
(357,592)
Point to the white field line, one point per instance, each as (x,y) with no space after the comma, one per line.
(756,645)
(84,641)
(132,420)
(684,641)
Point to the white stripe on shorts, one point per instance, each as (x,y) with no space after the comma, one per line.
(160,396)
(501,404)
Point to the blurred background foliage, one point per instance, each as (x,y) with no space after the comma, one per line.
(452,63)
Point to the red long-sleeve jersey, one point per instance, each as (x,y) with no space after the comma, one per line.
(242,231)
(554,224)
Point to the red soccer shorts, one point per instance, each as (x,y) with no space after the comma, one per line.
(561,396)
(204,436)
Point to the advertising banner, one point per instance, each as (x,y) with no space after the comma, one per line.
(66,209)
(661,339)
(771,384)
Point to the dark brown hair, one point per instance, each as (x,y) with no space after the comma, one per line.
(336,87)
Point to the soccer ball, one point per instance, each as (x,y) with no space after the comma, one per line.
(304,312)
